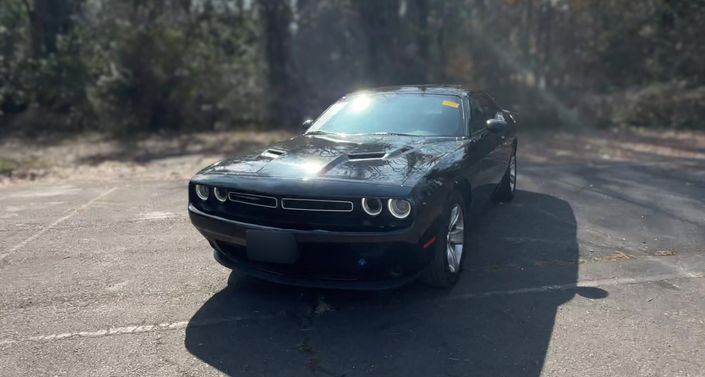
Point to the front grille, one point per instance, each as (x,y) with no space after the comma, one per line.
(333,214)
(292,204)
(253,199)
(317,205)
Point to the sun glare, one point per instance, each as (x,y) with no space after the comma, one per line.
(360,103)
(311,167)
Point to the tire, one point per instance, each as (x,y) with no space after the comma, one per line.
(507,187)
(441,272)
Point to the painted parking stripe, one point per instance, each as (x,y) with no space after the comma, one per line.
(132,329)
(180,325)
(55,223)
(582,284)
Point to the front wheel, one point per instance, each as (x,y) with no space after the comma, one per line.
(446,265)
(506,188)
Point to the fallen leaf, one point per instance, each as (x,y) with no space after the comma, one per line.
(619,256)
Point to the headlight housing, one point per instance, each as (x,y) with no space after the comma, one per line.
(220,194)
(372,206)
(202,192)
(399,208)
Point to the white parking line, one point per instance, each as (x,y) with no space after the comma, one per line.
(132,329)
(55,223)
(179,325)
(582,284)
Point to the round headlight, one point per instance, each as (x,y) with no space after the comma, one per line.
(220,194)
(202,192)
(372,206)
(399,208)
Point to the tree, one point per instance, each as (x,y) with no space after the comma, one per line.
(281,76)
(48,19)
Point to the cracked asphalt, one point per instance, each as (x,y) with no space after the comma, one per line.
(596,269)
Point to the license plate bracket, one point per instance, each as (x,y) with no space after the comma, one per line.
(271,246)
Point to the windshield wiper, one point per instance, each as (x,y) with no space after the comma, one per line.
(319,132)
(390,133)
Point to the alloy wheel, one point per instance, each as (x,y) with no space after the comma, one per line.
(513,172)
(455,238)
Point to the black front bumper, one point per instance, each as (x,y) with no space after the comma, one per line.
(329,259)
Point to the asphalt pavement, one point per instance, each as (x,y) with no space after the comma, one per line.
(597,268)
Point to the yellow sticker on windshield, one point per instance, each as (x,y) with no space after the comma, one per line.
(452,104)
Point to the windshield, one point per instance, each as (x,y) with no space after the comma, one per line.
(393,113)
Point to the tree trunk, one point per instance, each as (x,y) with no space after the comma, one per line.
(48,19)
(282,111)
(528,29)
(548,40)
(422,38)
(37,14)
(380,20)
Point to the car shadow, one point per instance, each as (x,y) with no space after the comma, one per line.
(498,320)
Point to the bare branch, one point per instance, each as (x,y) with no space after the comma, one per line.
(28,8)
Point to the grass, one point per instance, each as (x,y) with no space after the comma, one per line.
(7,166)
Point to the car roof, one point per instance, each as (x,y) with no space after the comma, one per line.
(442,89)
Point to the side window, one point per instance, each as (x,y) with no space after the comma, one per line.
(477,115)
(490,108)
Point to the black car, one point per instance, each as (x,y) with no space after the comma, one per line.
(375,193)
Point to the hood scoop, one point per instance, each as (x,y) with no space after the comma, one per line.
(366,156)
(378,155)
(273,153)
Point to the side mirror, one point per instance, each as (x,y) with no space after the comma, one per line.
(496,125)
(306,124)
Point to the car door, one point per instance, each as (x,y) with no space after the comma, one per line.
(497,143)
(479,152)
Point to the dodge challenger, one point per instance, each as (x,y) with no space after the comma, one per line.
(375,193)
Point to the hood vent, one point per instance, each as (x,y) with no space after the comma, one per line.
(273,153)
(366,156)
(398,152)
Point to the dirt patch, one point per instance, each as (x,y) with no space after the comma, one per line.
(98,158)
(684,149)
(177,157)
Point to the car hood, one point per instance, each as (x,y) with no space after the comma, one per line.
(387,159)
